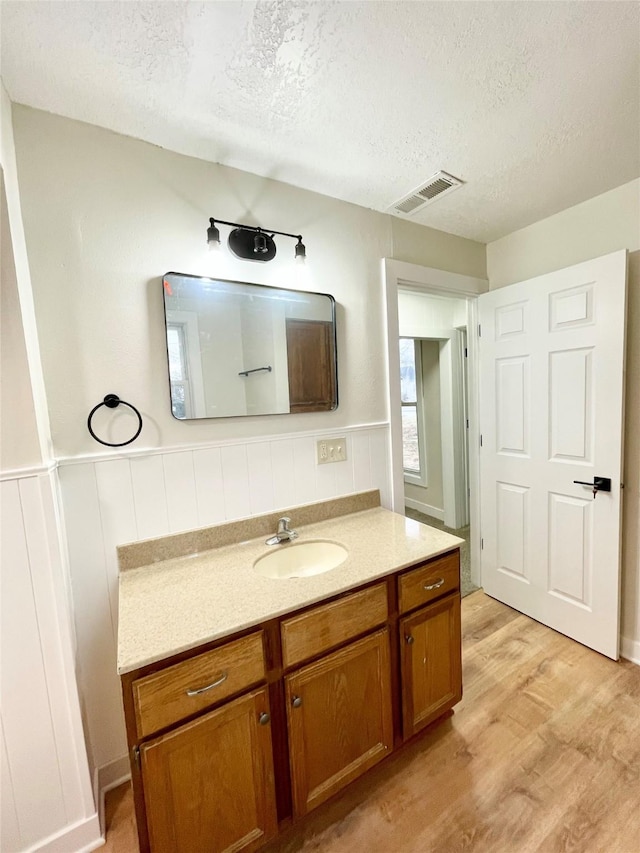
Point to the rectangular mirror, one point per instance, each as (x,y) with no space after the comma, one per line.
(247,349)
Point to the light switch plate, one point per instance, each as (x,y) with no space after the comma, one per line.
(331,450)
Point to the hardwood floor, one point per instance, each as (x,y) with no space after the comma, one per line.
(542,754)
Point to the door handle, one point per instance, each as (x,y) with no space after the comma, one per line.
(600,484)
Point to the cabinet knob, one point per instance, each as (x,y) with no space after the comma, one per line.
(296,701)
(410,640)
(264,719)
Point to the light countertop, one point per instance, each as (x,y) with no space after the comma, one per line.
(179,604)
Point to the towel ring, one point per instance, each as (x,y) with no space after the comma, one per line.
(112,401)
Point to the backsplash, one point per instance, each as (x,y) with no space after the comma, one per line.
(110,501)
(192,542)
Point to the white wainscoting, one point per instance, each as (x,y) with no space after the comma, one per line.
(111,500)
(47,802)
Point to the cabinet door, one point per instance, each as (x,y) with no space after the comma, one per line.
(311,364)
(209,785)
(339,716)
(431,663)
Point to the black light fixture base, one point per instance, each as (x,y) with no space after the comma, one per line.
(251,242)
(252,245)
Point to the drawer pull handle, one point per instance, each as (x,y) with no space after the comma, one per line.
(217,683)
(264,719)
(296,701)
(435,585)
(410,640)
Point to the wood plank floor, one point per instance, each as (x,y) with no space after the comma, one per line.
(542,754)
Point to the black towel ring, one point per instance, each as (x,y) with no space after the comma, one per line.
(112,401)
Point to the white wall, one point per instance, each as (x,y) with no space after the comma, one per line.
(19,265)
(105,217)
(114,215)
(19,443)
(47,802)
(423,315)
(603,224)
(430,248)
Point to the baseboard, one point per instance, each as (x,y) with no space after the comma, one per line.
(80,837)
(433,511)
(630,650)
(106,778)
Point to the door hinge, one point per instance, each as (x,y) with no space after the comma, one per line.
(467,423)
(466,352)
(479,330)
(480,439)
(136,755)
(482,544)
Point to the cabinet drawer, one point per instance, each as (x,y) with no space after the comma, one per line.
(428,582)
(186,688)
(327,626)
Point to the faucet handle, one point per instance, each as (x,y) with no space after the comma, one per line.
(284,534)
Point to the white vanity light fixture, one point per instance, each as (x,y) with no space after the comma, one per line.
(251,242)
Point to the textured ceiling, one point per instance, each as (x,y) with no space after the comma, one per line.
(535,105)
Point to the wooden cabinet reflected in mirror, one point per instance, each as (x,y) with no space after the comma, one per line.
(311,363)
(237,349)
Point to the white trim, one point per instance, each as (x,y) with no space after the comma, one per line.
(23,275)
(23,473)
(427,509)
(189,319)
(416,277)
(400,275)
(412,479)
(451,412)
(81,837)
(105,779)
(421,477)
(473,386)
(464,404)
(630,650)
(82,459)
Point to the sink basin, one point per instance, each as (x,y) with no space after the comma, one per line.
(301,559)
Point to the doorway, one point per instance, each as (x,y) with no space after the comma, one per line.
(461,452)
(434,409)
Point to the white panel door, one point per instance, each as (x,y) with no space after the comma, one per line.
(551,408)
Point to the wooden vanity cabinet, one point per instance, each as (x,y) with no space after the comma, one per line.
(209,784)
(238,737)
(339,717)
(431,664)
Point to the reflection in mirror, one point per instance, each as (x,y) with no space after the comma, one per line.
(247,349)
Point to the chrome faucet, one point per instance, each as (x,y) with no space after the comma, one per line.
(284,534)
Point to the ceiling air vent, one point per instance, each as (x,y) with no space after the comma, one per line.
(437,186)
